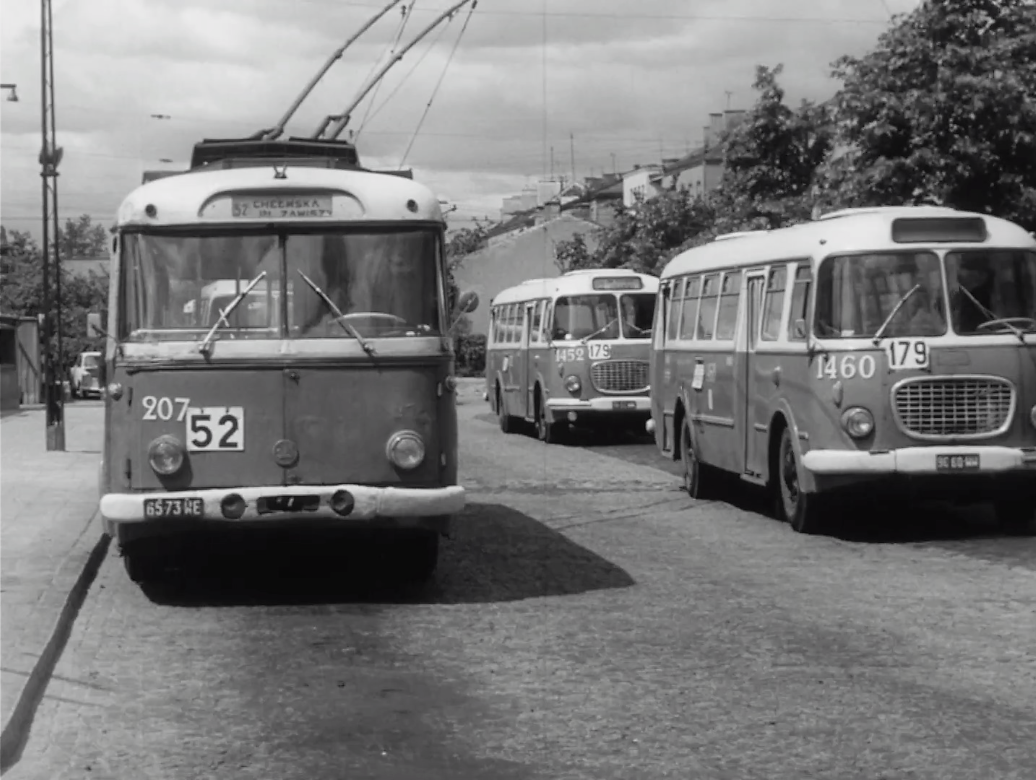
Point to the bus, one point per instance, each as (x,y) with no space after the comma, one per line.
(887,351)
(279,353)
(572,350)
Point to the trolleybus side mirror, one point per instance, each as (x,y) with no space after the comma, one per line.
(467,302)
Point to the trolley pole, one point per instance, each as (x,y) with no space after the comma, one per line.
(50,157)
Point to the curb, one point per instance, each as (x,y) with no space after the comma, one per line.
(16,731)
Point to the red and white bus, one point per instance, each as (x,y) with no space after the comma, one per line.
(871,348)
(572,350)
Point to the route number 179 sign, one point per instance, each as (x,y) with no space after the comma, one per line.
(906,354)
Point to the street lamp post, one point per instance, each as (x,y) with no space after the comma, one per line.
(50,158)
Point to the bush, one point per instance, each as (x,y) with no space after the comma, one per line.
(470,349)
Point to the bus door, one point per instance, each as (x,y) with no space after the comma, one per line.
(523,363)
(657,356)
(754,409)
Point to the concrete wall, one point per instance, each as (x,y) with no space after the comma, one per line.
(515,257)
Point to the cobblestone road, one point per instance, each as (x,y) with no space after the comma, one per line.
(588,621)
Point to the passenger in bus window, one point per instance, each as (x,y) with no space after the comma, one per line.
(918,317)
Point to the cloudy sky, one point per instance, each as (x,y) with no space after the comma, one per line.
(630,80)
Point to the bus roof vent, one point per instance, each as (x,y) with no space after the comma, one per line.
(886,210)
(739,234)
(609,271)
(255,153)
(544,280)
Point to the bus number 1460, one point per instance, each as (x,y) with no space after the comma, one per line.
(846,366)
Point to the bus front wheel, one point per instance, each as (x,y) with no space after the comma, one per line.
(507,422)
(801,510)
(698,479)
(1015,516)
(547,430)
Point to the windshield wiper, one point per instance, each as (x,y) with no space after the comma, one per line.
(598,331)
(1016,331)
(880,332)
(367,347)
(206,343)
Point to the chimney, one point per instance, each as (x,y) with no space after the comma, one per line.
(716,127)
(706,137)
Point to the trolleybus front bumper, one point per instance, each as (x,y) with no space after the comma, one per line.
(277,502)
(952,460)
(574,409)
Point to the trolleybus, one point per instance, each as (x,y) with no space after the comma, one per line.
(873,348)
(572,350)
(278,353)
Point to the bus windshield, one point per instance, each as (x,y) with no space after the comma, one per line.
(596,317)
(991,285)
(384,282)
(856,294)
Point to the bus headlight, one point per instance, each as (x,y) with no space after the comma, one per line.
(572,383)
(405,449)
(165,454)
(858,422)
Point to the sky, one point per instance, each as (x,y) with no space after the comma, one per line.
(593,85)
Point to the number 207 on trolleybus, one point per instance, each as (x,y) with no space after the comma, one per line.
(869,349)
(572,350)
(278,352)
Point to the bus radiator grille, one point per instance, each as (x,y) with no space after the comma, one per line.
(952,407)
(620,376)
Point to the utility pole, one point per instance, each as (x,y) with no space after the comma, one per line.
(572,145)
(614,169)
(552,163)
(728,93)
(50,157)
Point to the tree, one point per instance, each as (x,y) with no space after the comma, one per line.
(771,161)
(572,254)
(22,293)
(82,238)
(943,110)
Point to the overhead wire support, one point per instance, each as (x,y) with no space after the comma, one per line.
(276,131)
(408,11)
(438,83)
(341,120)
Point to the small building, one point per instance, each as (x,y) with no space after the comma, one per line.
(20,379)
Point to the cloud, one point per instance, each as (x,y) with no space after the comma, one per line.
(633,80)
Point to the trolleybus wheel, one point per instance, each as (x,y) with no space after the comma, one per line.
(422,556)
(507,422)
(699,480)
(801,510)
(1016,517)
(546,430)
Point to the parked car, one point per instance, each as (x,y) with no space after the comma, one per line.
(85,375)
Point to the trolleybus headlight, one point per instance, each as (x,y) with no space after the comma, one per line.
(858,422)
(405,449)
(165,454)
(572,383)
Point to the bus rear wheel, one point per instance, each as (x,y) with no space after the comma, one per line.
(801,510)
(699,480)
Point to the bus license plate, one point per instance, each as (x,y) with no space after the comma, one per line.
(624,404)
(174,507)
(956,462)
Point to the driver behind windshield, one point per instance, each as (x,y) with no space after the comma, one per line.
(972,298)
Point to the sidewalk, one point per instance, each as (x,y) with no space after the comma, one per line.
(48,533)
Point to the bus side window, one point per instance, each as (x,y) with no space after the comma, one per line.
(689,320)
(548,315)
(707,309)
(675,304)
(512,323)
(773,304)
(537,322)
(730,294)
(494,324)
(797,320)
